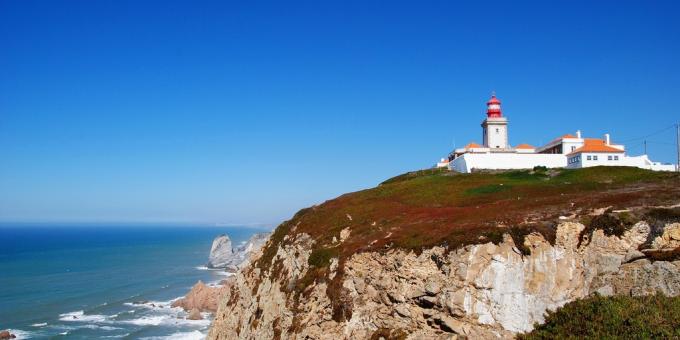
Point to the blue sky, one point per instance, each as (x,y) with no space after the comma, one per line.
(244,112)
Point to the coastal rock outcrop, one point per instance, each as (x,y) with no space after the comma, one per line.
(220,252)
(205,298)
(223,256)
(194,314)
(202,297)
(483,290)
(6,335)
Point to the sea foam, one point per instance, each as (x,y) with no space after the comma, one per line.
(21,334)
(80,316)
(193,335)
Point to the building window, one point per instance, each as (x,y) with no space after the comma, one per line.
(589,157)
(594,158)
(616,158)
(609,158)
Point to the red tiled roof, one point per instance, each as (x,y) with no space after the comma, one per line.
(595,145)
(524,146)
(473,145)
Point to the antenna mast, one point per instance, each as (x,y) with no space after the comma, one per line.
(677,146)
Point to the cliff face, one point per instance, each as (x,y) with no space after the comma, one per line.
(482,290)
(337,286)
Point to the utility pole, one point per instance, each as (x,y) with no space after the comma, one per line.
(677,142)
(645,142)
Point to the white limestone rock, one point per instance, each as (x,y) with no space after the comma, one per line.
(220,252)
(223,256)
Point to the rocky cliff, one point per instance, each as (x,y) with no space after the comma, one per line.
(422,256)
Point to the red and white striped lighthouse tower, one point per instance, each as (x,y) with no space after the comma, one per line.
(495,126)
(493,107)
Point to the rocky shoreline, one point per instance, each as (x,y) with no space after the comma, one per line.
(6,335)
(204,298)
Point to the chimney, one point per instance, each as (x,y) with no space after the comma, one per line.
(578,133)
(606,138)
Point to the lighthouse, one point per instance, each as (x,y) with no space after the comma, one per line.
(495,126)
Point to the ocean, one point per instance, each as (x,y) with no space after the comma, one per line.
(96,282)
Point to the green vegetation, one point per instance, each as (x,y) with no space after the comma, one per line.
(609,223)
(540,168)
(414,174)
(518,234)
(618,317)
(487,189)
(321,257)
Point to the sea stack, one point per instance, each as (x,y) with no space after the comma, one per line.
(220,252)
(223,256)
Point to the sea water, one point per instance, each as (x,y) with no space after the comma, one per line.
(95,281)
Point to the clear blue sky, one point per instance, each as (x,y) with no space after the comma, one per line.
(244,112)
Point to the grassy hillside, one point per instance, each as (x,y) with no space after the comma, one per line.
(437,207)
(619,317)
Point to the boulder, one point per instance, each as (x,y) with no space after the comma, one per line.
(670,238)
(195,314)
(202,297)
(451,324)
(432,288)
(4,335)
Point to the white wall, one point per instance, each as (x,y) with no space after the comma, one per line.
(569,145)
(498,161)
(496,138)
(443,163)
(645,163)
(459,164)
(642,162)
(602,159)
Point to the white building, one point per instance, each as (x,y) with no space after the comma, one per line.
(568,151)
